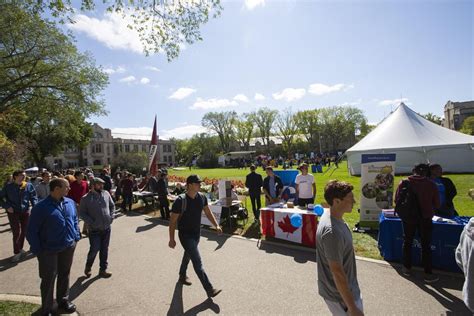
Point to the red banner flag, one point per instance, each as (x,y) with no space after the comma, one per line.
(153,154)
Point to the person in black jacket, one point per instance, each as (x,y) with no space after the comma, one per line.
(447,192)
(272,187)
(254,182)
(162,187)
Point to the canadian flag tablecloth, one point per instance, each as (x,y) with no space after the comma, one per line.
(276,223)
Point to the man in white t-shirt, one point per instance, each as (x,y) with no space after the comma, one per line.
(305,186)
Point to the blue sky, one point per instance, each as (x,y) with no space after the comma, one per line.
(288,54)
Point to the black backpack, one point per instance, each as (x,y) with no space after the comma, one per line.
(406,204)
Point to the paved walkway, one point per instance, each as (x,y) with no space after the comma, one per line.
(256,278)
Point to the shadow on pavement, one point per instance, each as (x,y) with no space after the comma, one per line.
(153,222)
(6,263)
(177,307)
(438,290)
(300,256)
(213,236)
(78,287)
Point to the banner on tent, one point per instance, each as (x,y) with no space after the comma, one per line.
(377,175)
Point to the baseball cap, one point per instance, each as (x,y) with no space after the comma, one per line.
(98,180)
(269,168)
(194,178)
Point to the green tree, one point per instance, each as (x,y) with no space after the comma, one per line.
(287,129)
(206,147)
(433,118)
(264,120)
(468,126)
(223,124)
(162,25)
(47,88)
(134,162)
(309,123)
(9,158)
(243,131)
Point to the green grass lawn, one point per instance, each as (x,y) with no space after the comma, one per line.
(10,308)
(365,244)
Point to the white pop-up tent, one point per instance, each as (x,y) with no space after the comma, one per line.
(415,140)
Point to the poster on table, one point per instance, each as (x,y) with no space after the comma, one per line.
(377,175)
(216,210)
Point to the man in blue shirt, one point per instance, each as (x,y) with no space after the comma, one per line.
(16,198)
(53,231)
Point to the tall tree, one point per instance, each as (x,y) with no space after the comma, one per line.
(264,119)
(222,123)
(287,129)
(162,25)
(433,118)
(244,131)
(309,124)
(47,88)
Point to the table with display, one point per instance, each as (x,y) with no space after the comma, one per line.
(145,196)
(276,223)
(445,239)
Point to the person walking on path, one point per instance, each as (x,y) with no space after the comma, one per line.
(186,214)
(97,210)
(272,187)
(254,182)
(427,198)
(16,197)
(305,186)
(53,232)
(465,260)
(126,188)
(337,271)
(162,187)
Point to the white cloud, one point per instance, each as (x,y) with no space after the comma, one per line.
(153,68)
(241,97)
(144,80)
(289,94)
(252,4)
(182,93)
(111,30)
(321,89)
(111,70)
(259,97)
(212,104)
(394,102)
(143,133)
(129,79)
(183,131)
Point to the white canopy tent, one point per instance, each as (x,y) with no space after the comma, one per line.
(415,140)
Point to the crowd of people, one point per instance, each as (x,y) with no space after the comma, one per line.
(46,212)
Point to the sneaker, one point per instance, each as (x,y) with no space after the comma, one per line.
(105,274)
(430,278)
(16,257)
(406,271)
(185,280)
(213,292)
(67,307)
(87,272)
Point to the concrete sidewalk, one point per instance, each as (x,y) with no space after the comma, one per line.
(256,278)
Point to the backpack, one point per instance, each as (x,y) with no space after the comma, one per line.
(184,204)
(406,204)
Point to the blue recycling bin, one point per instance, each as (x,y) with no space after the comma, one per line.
(320,168)
(314,169)
(288,177)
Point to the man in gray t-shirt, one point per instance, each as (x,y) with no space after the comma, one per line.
(337,272)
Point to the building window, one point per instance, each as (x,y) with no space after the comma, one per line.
(144,148)
(98,135)
(135,148)
(127,148)
(96,148)
(108,150)
(165,158)
(97,162)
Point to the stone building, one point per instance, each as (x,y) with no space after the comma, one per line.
(104,147)
(456,112)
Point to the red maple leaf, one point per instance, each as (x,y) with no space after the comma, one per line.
(286,227)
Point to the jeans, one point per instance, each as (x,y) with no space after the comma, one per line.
(127,201)
(256,205)
(52,264)
(18,224)
(164,207)
(425,228)
(99,242)
(190,244)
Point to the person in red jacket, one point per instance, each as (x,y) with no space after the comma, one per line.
(79,188)
(428,200)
